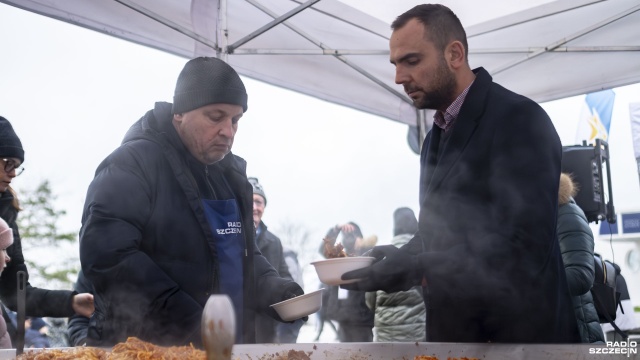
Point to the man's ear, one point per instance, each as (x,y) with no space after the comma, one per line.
(455,54)
(177,117)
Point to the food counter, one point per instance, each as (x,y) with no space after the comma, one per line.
(409,351)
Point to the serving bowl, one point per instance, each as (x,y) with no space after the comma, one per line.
(330,270)
(299,306)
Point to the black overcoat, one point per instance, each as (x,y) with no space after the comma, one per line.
(487,224)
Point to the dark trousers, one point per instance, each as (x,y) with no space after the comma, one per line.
(287,333)
(470,325)
(354,333)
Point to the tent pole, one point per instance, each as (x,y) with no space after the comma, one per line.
(322,46)
(222,32)
(567,39)
(166,22)
(271,24)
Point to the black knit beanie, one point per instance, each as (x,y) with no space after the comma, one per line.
(404,221)
(207,80)
(10,145)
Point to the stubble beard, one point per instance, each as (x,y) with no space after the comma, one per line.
(442,91)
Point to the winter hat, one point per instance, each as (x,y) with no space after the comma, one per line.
(6,235)
(207,80)
(404,221)
(257,188)
(10,145)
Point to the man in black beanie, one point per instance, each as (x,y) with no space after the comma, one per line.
(168,220)
(271,248)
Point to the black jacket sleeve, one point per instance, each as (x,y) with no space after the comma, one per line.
(78,324)
(39,302)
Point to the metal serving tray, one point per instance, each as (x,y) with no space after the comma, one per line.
(408,351)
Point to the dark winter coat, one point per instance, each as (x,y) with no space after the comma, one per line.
(576,244)
(78,325)
(487,241)
(351,310)
(39,302)
(271,248)
(145,240)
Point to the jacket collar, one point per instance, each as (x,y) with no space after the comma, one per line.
(470,112)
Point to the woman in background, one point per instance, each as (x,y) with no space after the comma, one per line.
(576,246)
(39,302)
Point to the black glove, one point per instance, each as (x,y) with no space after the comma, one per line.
(393,270)
(291,290)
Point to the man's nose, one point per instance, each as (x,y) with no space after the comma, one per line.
(227,129)
(401,76)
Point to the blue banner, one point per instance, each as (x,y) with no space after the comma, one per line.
(607,228)
(631,223)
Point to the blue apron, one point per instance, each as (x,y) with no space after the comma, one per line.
(224,219)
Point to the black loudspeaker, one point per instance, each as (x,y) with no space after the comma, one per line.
(587,165)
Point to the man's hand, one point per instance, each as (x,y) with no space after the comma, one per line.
(83,304)
(292,290)
(393,270)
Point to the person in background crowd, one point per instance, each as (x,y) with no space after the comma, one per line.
(39,302)
(348,307)
(287,333)
(271,248)
(57,332)
(399,316)
(6,239)
(576,245)
(486,249)
(35,335)
(322,315)
(167,220)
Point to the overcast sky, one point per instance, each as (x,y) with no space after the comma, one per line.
(72,93)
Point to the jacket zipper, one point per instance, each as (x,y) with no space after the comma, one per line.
(206,178)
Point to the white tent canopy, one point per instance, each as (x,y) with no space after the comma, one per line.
(335,52)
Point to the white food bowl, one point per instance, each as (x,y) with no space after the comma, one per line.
(299,306)
(330,270)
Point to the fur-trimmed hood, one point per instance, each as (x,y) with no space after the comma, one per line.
(567,190)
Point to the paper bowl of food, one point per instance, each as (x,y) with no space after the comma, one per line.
(330,270)
(299,306)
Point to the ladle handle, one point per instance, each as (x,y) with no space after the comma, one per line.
(218,327)
(21,313)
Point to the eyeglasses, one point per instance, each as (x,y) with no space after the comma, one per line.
(10,165)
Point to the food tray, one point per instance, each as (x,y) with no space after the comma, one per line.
(408,351)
